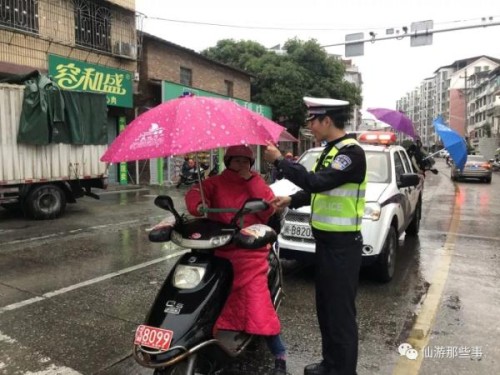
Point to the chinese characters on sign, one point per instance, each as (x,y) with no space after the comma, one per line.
(78,75)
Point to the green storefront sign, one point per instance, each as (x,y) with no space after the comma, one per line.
(78,75)
(173,90)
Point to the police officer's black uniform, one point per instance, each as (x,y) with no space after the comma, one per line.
(338,258)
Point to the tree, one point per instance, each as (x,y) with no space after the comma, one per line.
(282,80)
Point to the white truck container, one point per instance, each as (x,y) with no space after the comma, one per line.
(42,179)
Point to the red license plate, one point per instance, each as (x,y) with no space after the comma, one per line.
(153,337)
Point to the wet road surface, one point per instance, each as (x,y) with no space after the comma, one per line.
(73,290)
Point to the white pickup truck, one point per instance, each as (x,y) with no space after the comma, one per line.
(393,205)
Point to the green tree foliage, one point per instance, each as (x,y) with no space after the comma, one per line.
(282,80)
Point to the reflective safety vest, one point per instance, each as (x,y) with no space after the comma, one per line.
(340,209)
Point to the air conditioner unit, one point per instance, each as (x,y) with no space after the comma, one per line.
(125,49)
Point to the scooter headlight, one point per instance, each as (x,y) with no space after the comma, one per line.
(372,211)
(188,277)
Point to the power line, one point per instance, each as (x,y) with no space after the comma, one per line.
(252,27)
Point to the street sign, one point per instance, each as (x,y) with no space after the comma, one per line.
(421,33)
(354,49)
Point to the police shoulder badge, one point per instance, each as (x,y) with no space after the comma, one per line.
(341,162)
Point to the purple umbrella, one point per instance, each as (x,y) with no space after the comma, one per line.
(397,120)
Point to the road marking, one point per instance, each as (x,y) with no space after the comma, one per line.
(419,334)
(78,230)
(70,288)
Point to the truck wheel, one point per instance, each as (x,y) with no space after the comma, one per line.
(386,262)
(414,226)
(45,202)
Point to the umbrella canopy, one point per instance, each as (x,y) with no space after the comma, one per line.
(287,137)
(397,120)
(452,141)
(190,124)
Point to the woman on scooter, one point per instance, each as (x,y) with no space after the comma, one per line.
(249,307)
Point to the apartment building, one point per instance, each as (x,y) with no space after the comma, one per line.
(354,76)
(427,98)
(483,107)
(466,94)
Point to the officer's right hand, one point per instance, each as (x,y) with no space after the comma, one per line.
(280,202)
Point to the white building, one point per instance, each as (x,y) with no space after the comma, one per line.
(466,94)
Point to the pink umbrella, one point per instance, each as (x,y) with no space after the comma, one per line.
(190,124)
(287,137)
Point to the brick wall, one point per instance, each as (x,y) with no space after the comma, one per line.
(163,62)
(22,51)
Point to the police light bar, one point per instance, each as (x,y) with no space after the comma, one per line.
(378,138)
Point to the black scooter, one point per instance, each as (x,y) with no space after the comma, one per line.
(178,336)
(193,176)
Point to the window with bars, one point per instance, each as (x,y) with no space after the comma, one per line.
(19,14)
(186,77)
(92,25)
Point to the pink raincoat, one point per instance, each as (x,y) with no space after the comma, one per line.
(249,307)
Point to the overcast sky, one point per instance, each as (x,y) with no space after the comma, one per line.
(389,68)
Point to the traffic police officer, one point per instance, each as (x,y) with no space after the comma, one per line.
(335,189)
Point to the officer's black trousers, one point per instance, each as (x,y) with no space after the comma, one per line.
(338,259)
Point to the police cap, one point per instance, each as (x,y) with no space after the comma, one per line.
(320,106)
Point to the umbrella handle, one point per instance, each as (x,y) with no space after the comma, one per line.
(203,202)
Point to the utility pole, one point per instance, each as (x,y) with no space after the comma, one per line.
(466,100)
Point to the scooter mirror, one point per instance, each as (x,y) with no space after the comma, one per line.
(166,202)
